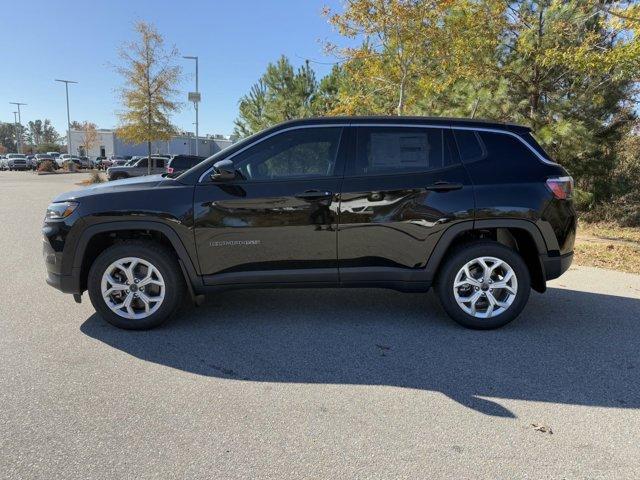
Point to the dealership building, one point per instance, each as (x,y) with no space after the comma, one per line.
(108,143)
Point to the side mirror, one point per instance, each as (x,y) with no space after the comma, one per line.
(223,171)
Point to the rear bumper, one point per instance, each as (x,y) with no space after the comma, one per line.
(556,266)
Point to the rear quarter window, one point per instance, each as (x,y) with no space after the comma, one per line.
(478,145)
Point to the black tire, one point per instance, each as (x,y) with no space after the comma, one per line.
(466,253)
(119,176)
(161,258)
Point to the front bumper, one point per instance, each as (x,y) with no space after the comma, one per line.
(64,283)
(557,265)
(55,277)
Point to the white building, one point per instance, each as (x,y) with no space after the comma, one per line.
(108,143)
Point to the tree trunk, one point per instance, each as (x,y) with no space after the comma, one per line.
(148,157)
(401,99)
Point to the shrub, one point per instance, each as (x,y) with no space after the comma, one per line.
(46,166)
(623,211)
(583,200)
(69,166)
(95,177)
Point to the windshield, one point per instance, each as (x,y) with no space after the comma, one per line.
(15,155)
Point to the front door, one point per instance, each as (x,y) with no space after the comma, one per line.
(401,190)
(277,221)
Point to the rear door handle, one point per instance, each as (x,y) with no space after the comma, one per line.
(313,195)
(444,186)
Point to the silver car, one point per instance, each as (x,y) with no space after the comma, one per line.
(137,169)
(17,161)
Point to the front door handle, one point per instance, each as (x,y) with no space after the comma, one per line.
(444,186)
(313,195)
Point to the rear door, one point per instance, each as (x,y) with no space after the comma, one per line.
(403,187)
(277,221)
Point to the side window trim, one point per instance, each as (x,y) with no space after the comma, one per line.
(203,178)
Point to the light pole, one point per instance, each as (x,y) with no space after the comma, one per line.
(196,97)
(15,124)
(18,127)
(66,87)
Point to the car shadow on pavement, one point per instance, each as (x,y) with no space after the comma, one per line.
(567,346)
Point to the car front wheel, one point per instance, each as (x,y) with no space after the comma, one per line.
(136,285)
(483,285)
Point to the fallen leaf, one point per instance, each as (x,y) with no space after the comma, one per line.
(538,427)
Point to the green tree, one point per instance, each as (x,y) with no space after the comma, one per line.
(282,93)
(569,69)
(8,136)
(150,77)
(41,131)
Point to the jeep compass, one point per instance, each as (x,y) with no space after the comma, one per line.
(474,209)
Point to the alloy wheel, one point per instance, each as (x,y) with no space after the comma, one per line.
(485,287)
(133,288)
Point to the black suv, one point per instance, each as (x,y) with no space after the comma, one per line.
(180,163)
(476,210)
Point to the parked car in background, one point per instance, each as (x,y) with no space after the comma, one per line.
(3,162)
(43,157)
(31,164)
(137,169)
(54,155)
(17,161)
(85,162)
(180,163)
(60,159)
(103,162)
(65,157)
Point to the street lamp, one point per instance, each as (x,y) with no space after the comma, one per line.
(18,127)
(195,98)
(66,87)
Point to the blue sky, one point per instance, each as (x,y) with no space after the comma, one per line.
(79,40)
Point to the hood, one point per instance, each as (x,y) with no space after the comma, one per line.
(127,184)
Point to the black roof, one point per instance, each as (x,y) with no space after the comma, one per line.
(461,122)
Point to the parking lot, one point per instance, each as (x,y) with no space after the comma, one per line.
(311,383)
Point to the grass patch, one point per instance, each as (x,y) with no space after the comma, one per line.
(607,245)
(625,258)
(609,231)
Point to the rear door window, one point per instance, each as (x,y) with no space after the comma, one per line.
(392,150)
(470,146)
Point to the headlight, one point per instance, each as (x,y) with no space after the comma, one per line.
(58,211)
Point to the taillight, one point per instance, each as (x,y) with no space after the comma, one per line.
(169,170)
(561,187)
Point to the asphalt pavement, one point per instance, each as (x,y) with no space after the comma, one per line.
(369,384)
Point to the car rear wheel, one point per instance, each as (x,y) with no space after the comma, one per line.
(136,285)
(483,285)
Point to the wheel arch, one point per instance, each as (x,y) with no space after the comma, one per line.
(95,238)
(522,236)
